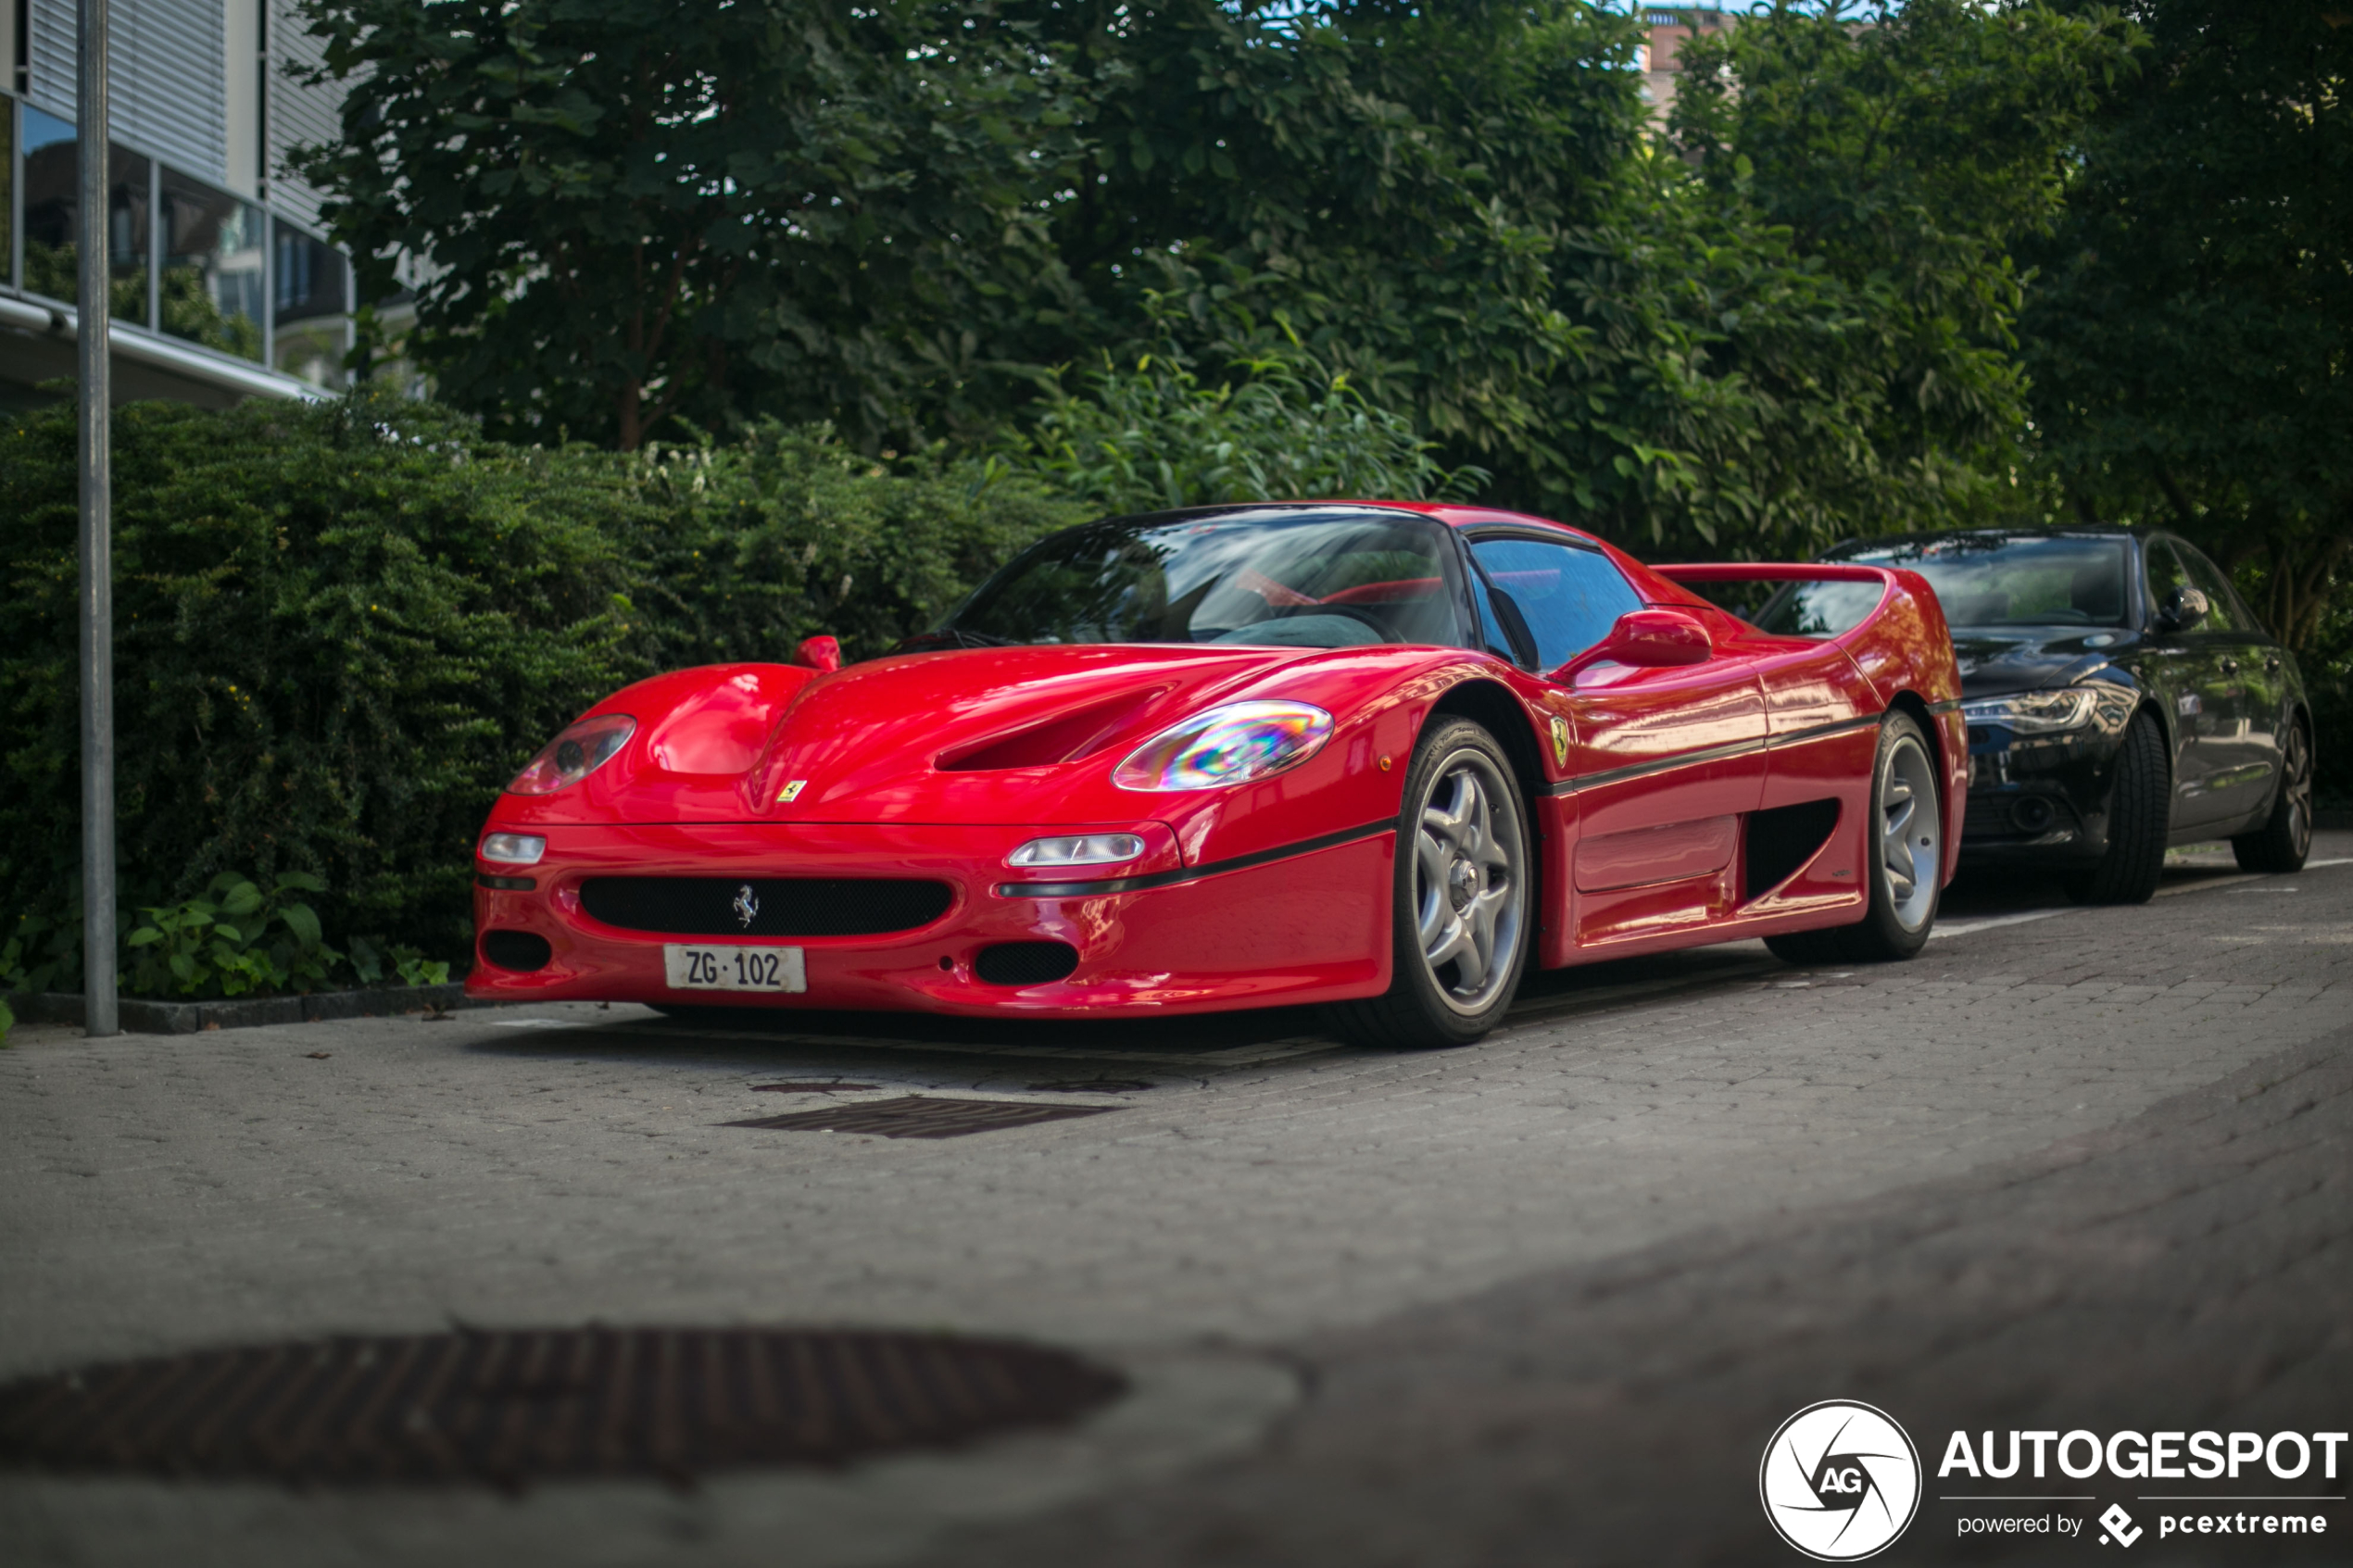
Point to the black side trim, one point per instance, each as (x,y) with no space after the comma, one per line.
(1191,873)
(1711,754)
(505,884)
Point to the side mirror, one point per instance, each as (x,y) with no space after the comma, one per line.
(2183,608)
(1648,639)
(821,654)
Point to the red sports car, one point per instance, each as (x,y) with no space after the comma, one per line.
(1376,756)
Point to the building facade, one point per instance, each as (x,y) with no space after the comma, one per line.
(225,286)
(1667,31)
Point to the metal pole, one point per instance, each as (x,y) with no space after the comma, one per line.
(99,1013)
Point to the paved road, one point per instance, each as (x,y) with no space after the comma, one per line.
(1538,1300)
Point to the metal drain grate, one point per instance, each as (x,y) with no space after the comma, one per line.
(509,1408)
(923,1116)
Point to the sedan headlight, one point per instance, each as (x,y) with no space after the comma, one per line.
(575,754)
(1237,744)
(2036,713)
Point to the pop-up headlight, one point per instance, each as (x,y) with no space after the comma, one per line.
(1237,744)
(575,754)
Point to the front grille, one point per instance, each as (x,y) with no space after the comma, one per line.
(718,906)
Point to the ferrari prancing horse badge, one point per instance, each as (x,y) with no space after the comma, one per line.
(1560,740)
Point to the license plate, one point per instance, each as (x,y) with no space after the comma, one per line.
(729,968)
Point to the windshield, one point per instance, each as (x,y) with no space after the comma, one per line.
(1981,579)
(1293,577)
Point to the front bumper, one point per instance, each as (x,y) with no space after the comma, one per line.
(2040,800)
(1310,927)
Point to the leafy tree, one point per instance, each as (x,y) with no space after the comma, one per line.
(1150,435)
(2192,338)
(620,212)
(1868,175)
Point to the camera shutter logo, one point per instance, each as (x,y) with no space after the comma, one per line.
(1840,1481)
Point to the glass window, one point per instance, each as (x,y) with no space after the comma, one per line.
(1569,597)
(212,261)
(2010,579)
(1819,609)
(311,318)
(2223,612)
(53,200)
(8,189)
(1320,577)
(2165,574)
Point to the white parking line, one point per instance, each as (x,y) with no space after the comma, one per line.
(1965,927)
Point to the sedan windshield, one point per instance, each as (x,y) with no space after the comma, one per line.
(1981,579)
(1321,577)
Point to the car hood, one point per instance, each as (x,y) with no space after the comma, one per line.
(983,736)
(1998,660)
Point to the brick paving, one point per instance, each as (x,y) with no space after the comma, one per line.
(1540,1299)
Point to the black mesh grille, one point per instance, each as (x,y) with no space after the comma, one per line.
(1025,963)
(517,951)
(716,906)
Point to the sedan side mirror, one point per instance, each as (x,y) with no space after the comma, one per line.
(2183,608)
(1648,639)
(821,654)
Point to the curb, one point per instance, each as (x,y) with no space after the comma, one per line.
(141,1016)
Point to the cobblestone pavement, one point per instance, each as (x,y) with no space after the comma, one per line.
(1538,1300)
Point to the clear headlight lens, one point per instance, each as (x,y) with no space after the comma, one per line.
(513,848)
(2036,713)
(1085,849)
(1237,744)
(575,754)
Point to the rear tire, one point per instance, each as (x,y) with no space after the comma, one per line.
(2139,816)
(2286,838)
(1904,842)
(1462,902)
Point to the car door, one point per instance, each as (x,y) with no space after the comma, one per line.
(1661,763)
(2242,728)
(2189,667)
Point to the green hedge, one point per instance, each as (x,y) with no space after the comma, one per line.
(340,628)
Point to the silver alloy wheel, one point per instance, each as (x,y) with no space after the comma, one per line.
(2298,787)
(1470,881)
(1911,839)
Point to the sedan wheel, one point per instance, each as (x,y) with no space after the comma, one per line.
(2285,837)
(1461,913)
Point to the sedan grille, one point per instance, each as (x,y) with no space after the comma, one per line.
(728,906)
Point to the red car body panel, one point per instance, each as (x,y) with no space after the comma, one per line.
(938,765)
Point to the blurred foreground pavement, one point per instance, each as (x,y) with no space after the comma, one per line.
(1538,1302)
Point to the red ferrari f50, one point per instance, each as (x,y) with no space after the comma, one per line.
(1379,756)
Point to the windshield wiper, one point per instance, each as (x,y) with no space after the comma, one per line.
(958,638)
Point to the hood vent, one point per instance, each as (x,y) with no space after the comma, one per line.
(1066,737)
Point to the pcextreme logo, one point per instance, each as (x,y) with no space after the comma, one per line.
(1840,1481)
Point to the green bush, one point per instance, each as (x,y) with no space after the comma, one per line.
(341,628)
(1151,436)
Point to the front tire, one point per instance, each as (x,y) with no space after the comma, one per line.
(2139,816)
(1462,902)
(2286,838)
(1905,843)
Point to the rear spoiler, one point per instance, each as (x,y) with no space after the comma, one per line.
(1776,571)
